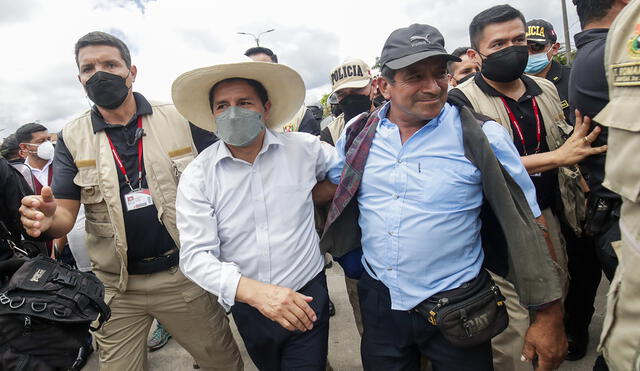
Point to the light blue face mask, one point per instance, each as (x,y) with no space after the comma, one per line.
(239,126)
(537,62)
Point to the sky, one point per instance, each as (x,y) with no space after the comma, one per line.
(38,74)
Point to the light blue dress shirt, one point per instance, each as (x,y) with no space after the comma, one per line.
(420,204)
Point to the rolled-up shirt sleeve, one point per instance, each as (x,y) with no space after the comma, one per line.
(508,155)
(199,243)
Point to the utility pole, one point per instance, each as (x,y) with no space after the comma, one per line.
(256,38)
(567,36)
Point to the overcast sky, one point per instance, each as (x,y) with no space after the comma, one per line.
(38,75)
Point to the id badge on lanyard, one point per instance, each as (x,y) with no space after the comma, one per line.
(140,197)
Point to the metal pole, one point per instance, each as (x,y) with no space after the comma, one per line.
(256,38)
(567,36)
(263,32)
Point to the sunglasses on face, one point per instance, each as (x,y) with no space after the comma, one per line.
(536,48)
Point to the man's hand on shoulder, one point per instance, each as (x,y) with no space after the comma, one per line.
(283,305)
(546,338)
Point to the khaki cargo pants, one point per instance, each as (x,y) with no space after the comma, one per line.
(620,339)
(191,315)
(507,347)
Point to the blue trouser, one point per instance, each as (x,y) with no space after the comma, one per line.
(395,339)
(272,347)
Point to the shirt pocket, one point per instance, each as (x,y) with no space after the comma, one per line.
(100,246)
(622,172)
(447,185)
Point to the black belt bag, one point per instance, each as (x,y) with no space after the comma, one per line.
(469,315)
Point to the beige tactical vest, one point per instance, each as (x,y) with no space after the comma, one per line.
(573,198)
(336,127)
(168,149)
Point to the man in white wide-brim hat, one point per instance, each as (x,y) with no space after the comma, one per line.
(245,211)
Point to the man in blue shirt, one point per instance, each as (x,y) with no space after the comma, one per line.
(420,200)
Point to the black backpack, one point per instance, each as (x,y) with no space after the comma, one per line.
(46,309)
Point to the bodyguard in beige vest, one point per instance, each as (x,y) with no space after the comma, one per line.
(529,108)
(620,341)
(122,161)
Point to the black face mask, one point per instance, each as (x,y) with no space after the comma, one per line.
(506,65)
(106,89)
(336,110)
(354,104)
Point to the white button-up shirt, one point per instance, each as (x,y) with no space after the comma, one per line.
(41,174)
(254,220)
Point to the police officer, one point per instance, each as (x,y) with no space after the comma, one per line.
(352,90)
(588,92)
(619,341)
(543,46)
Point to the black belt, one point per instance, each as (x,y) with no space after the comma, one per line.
(154,265)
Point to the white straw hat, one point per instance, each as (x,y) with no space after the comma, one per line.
(285,89)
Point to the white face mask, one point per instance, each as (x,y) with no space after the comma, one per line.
(45,150)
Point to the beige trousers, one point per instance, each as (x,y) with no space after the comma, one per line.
(192,316)
(620,339)
(507,347)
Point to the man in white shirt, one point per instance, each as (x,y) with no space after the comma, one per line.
(35,144)
(245,210)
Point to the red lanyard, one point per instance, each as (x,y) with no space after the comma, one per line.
(516,125)
(123,170)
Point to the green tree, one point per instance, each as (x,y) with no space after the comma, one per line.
(325,105)
(377,64)
(562,55)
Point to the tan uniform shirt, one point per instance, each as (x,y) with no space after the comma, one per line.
(620,340)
